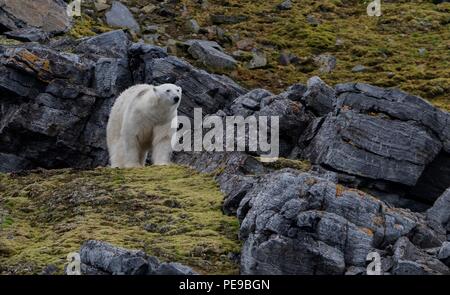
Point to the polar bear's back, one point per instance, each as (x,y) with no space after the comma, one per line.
(119,110)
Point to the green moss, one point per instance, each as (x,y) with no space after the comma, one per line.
(389,45)
(85,26)
(6,41)
(282,163)
(171,212)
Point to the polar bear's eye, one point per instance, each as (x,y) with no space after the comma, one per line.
(168,90)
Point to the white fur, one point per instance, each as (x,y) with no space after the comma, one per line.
(140,122)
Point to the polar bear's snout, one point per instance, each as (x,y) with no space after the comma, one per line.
(176,99)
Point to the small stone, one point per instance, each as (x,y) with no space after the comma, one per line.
(312,20)
(245,44)
(285,5)
(151,38)
(148,8)
(422,51)
(359,69)
(326,62)
(193,26)
(99,7)
(259,60)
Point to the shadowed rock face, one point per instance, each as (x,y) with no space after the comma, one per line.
(48,15)
(383,135)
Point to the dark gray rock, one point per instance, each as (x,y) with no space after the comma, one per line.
(112,44)
(112,259)
(319,97)
(444,253)
(112,76)
(98,257)
(28,35)
(383,135)
(440,212)
(285,5)
(173,269)
(200,89)
(298,223)
(211,57)
(119,16)
(409,260)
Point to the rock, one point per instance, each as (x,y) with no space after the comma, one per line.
(99,6)
(319,97)
(221,19)
(444,253)
(28,35)
(245,44)
(98,257)
(112,44)
(147,9)
(422,51)
(287,58)
(113,260)
(298,223)
(112,76)
(326,63)
(204,43)
(258,61)
(47,15)
(359,69)
(313,21)
(440,212)
(285,5)
(120,17)
(173,269)
(248,103)
(407,144)
(409,260)
(193,26)
(211,57)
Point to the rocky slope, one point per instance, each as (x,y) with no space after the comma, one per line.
(363,169)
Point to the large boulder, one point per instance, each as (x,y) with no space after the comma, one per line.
(98,257)
(377,134)
(119,16)
(299,223)
(48,15)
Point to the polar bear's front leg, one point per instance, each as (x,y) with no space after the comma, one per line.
(132,153)
(161,151)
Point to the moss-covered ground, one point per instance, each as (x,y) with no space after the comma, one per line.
(408,47)
(171,212)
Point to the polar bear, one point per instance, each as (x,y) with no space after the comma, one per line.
(140,122)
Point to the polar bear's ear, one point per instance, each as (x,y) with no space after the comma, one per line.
(142,92)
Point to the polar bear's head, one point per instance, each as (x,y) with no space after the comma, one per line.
(168,94)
